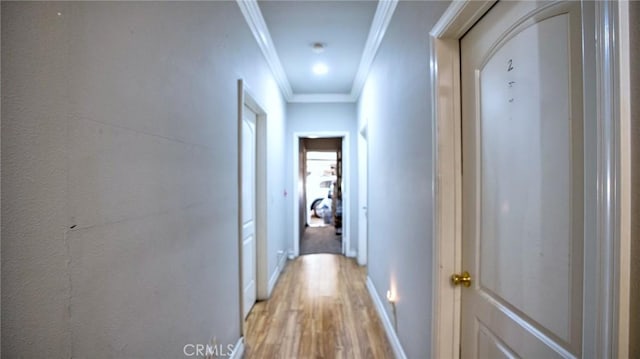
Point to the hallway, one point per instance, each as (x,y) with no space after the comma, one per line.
(319,308)
(151,179)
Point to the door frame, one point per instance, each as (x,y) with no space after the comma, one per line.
(346,178)
(613,162)
(245,98)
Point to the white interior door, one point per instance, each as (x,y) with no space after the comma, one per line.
(362,196)
(248,210)
(523,182)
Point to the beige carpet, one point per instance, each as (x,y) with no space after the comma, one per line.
(320,240)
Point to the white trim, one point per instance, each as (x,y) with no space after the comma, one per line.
(323,98)
(625,180)
(459,17)
(276,273)
(252,14)
(386,321)
(238,349)
(351,253)
(346,195)
(379,25)
(447,246)
(447,162)
(608,104)
(274,279)
(255,20)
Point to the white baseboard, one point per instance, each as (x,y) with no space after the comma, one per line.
(350,253)
(276,273)
(273,280)
(238,349)
(386,321)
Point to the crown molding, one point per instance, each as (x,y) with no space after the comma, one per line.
(459,17)
(322,98)
(255,20)
(379,25)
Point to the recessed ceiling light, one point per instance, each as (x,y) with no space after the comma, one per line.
(320,69)
(318,47)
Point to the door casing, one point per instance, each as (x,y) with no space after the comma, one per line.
(610,28)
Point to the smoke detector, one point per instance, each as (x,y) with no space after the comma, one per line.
(318,47)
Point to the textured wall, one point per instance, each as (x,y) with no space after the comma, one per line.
(396,103)
(634,22)
(119,193)
(322,117)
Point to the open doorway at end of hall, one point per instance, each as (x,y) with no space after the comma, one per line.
(321,179)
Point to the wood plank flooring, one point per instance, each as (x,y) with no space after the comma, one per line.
(320,308)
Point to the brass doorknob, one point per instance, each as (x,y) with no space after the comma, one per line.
(461,279)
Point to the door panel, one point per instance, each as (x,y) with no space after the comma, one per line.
(490,346)
(523,182)
(248,210)
(526,172)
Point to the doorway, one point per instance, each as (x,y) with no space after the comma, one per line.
(332,142)
(319,183)
(322,182)
(363,194)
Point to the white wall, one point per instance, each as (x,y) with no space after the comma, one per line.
(323,117)
(396,103)
(119,187)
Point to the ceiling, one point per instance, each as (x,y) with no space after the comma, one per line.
(342,25)
(285,31)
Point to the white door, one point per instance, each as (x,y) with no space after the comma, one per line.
(362,196)
(248,210)
(523,212)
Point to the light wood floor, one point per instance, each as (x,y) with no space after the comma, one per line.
(320,308)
